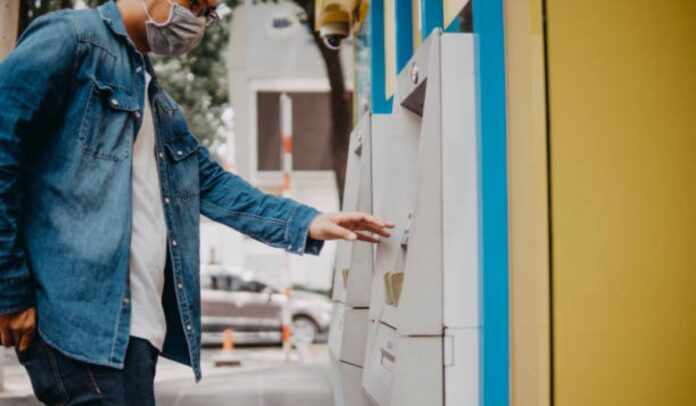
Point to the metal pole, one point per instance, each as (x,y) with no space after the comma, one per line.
(286,140)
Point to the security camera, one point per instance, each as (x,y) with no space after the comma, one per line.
(334,33)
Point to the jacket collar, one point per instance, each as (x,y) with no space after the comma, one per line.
(112,17)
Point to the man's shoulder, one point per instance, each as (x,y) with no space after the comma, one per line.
(87,24)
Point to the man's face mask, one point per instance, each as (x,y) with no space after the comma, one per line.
(178,35)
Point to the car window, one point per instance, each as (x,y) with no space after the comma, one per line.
(207,282)
(234,283)
(220,282)
(252,286)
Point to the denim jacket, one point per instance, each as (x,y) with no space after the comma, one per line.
(71,97)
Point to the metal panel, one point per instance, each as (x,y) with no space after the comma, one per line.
(348,334)
(402,370)
(354,260)
(346,382)
(425,292)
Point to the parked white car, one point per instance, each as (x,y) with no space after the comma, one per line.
(253,309)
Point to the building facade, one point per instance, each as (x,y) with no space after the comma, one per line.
(586,159)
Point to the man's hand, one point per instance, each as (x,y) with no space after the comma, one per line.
(17,329)
(349,226)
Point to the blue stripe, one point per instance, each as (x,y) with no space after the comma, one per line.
(495,334)
(431,16)
(453,26)
(404,32)
(379,102)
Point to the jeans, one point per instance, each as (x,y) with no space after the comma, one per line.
(59,380)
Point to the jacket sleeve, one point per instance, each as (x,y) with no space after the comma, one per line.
(276,221)
(33,78)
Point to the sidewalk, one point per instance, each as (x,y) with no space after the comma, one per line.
(16,385)
(264,378)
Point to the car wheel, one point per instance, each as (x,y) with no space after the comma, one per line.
(304,331)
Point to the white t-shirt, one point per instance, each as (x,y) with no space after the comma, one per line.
(148,249)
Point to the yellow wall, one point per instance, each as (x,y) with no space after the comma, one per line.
(623,158)
(389,47)
(417,36)
(450,10)
(529,239)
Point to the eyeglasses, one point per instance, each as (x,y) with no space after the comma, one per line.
(202,9)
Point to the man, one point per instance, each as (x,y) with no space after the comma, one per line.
(101,187)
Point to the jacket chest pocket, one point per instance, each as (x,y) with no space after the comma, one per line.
(108,124)
(183,167)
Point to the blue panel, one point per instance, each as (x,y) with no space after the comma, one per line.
(431,16)
(404,32)
(379,102)
(495,333)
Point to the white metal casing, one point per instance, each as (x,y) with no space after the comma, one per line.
(355,263)
(429,336)
(346,382)
(348,334)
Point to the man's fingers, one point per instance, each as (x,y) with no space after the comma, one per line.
(363,236)
(366,222)
(341,232)
(377,221)
(376,229)
(359,217)
(365,225)
(6,336)
(25,341)
(17,336)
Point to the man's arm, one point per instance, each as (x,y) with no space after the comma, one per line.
(32,82)
(276,221)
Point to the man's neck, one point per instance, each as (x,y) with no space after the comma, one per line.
(134,17)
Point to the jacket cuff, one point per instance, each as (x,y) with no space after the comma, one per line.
(297,232)
(16,294)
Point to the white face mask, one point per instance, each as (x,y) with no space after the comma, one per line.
(178,35)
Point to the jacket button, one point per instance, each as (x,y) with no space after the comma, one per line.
(179,153)
(174,243)
(166,200)
(179,285)
(137,114)
(126,300)
(188,327)
(161,155)
(114,102)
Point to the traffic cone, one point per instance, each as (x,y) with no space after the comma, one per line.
(228,343)
(227,357)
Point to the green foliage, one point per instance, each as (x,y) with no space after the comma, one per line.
(197,81)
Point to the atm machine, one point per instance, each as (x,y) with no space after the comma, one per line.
(355,264)
(423,333)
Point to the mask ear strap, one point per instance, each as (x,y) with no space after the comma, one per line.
(146,10)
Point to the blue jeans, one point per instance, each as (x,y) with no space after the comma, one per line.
(59,380)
